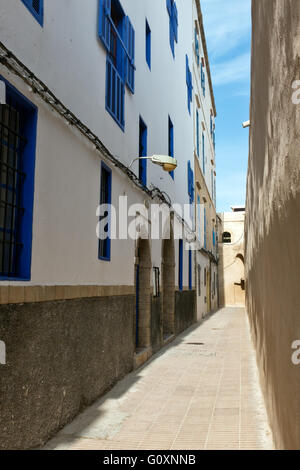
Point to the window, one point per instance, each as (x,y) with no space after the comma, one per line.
(197,133)
(199,280)
(143,153)
(148,45)
(36,8)
(197,48)
(203,79)
(173,15)
(191,188)
(180,266)
(105,219)
(190,270)
(214,238)
(212,184)
(118,37)
(226,238)
(171,142)
(189,83)
(18,124)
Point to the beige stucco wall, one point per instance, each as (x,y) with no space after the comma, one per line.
(231,259)
(273,208)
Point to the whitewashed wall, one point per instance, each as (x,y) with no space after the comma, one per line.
(68,56)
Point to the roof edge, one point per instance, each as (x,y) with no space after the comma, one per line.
(200,19)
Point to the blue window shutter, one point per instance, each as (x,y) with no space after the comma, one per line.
(169,7)
(197,47)
(104,22)
(189,82)
(148,44)
(190,182)
(175,21)
(189,179)
(130,45)
(36,8)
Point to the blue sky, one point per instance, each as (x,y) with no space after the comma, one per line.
(228,33)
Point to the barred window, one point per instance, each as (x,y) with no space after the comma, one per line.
(17,155)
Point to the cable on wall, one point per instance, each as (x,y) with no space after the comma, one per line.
(12,63)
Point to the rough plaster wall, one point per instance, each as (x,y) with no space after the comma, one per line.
(273,205)
(61,356)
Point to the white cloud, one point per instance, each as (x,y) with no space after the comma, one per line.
(230,71)
(227,23)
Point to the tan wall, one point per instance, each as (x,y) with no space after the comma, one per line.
(231,263)
(273,208)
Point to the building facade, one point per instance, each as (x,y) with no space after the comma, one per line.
(84,297)
(272,208)
(231,258)
(206,228)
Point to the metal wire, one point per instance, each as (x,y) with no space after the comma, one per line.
(11,62)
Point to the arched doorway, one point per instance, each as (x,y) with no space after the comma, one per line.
(239,285)
(168,284)
(143,293)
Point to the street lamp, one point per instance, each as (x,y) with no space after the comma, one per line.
(166,162)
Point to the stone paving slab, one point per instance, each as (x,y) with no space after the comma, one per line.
(199,392)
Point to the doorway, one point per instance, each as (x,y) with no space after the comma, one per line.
(168,285)
(143,295)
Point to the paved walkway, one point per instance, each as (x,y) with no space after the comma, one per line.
(200,392)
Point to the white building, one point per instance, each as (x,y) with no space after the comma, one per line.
(205,172)
(86,87)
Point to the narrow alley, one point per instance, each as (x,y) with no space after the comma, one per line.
(200,392)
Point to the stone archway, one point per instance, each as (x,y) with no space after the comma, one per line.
(239,284)
(168,284)
(143,295)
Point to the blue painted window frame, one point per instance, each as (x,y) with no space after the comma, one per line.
(115,95)
(203,79)
(191,187)
(197,47)
(143,144)
(189,84)
(39,16)
(28,124)
(107,242)
(119,42)
(197,133)
(180,265)
(148,44)
(173,20)
(171,151)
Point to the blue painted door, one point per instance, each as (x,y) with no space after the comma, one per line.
(143,153)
